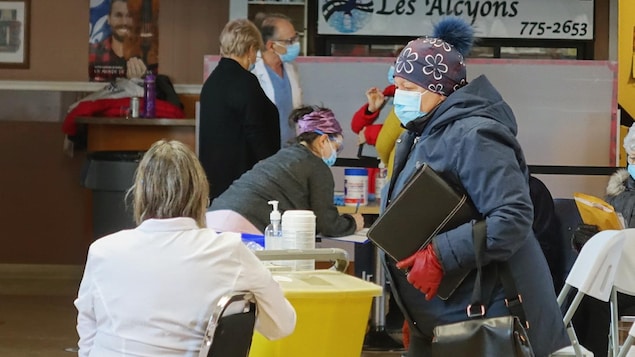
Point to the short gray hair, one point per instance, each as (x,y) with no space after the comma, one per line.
(268,24)
(238,36)
(170,182)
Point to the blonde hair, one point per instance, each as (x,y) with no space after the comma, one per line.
(170,182)
(238,37)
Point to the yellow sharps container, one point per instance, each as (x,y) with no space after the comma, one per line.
(332,315)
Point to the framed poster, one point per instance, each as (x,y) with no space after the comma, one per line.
(123,39)
(14,33)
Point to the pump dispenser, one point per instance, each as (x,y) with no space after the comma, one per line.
(273,232)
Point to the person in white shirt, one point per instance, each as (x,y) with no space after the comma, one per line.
(276,70)
(149,291)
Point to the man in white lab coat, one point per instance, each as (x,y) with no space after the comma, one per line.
(276,70)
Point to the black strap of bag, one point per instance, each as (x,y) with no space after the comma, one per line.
(513,299)
(477,307)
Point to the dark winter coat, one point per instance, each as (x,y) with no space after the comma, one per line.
(470,139)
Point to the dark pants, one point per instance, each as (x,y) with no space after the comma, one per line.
(592,320)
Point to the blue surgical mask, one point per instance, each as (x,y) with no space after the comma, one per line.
(330,161)
(391,75)
(293,50)
(251,67)
(407,105)
(631,170)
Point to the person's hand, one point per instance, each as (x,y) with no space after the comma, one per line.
(582,234)
(359,221)
(425,271)
(375,99)
(361,137)
(135,68)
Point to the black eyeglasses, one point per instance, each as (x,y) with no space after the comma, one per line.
(290,41)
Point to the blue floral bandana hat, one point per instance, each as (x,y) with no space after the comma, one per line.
(432,64)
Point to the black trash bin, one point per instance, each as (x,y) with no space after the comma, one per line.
(109,174)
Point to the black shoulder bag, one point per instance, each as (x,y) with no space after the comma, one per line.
(479,336)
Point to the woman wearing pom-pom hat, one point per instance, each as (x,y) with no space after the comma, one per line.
(467,133)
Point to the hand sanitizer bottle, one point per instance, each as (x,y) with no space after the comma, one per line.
(273,232)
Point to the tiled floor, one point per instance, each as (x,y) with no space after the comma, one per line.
(37,316)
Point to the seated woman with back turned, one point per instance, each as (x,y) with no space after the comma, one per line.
(298,176)
(150,291)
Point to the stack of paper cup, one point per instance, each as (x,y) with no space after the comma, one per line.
(298,232)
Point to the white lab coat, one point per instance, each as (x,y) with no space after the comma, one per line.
(150,291)
(265,81)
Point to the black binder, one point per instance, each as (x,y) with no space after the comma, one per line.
(425,207)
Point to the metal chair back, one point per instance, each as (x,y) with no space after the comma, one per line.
(231,326)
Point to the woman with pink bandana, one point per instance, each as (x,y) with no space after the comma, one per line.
(298,177)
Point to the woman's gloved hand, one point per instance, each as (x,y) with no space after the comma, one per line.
(425,271)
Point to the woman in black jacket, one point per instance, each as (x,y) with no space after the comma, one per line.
(238,123)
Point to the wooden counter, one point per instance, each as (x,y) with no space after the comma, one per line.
(371,208)
(106,134)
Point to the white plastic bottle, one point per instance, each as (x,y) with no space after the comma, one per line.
(298,232)
(273,232)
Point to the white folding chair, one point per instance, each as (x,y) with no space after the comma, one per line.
(593,274)
(624,283)
(624,351)
(231,327)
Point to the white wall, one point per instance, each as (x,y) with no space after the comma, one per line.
(565,109)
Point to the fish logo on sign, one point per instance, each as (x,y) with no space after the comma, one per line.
(347,16)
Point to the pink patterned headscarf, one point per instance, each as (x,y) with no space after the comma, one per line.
(319,120)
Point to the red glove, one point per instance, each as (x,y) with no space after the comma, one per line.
(425,271)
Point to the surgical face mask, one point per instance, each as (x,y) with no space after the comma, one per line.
(408,105)
(391,75)
(330,161)
(631,170)
(251,67)
(293,50)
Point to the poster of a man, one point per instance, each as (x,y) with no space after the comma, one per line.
(123,39)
